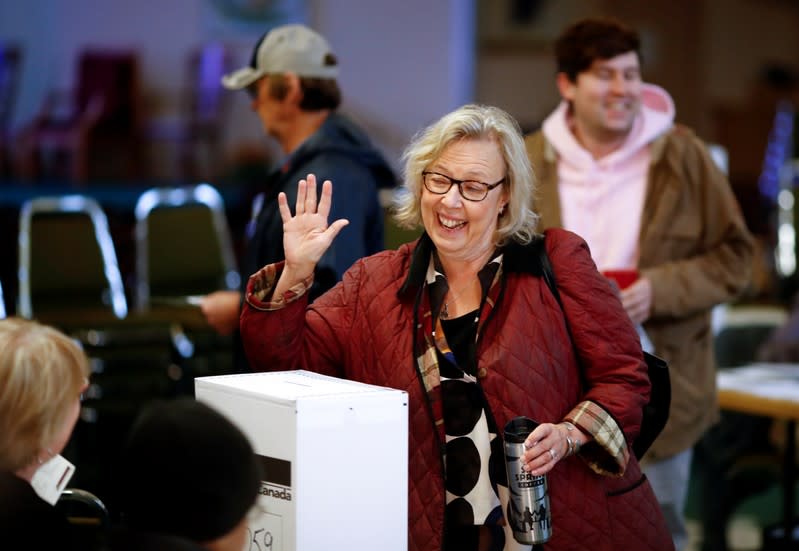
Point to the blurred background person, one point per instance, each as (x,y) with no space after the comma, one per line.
(659,218)
(462,321)
(188,480)
(42,376)
(292,82)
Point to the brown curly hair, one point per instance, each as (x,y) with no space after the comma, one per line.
(587,40)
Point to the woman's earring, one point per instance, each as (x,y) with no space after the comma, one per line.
(502,210)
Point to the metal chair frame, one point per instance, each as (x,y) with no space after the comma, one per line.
(78,204)
(202,194)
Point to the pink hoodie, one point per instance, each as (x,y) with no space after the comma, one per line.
(601,200)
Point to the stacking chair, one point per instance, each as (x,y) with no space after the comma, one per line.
(183,251)
(88,518)
(96,125)
(67,264)
(183,245)
(738,331)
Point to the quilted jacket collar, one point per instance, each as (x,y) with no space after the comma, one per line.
(420,258)
(523,259)
(517,258)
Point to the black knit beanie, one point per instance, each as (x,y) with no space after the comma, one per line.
(188,471)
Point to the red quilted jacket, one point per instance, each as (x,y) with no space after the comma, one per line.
(362,329)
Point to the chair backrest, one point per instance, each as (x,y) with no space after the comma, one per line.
(739,331)
(88,518)
(183,244)
(10,70)
(66,258)
(111,76)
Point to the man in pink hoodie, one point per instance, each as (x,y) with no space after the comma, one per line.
(659,217)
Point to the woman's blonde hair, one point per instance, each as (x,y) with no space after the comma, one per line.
(41,374)
(471,121)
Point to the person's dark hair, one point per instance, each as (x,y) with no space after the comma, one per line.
(317,93)
(587,40)
(188,472)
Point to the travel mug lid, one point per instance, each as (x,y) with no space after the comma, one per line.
(517,429)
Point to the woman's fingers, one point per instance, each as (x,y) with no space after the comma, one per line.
(336,227)
(283,207)
(310,194)
(545,447)
(327,198)
(302,187)
(311,220)
(307,197)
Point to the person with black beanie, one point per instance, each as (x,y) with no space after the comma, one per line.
(189,477)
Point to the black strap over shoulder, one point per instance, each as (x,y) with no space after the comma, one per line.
(656,412)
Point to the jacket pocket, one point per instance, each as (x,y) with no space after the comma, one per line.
(626,489)
(636,521)
(633,478)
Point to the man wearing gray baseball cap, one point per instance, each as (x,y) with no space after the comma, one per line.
(292,81)
(290,48)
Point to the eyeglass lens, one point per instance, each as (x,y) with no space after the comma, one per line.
(469,189)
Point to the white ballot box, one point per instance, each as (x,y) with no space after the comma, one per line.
(334,455)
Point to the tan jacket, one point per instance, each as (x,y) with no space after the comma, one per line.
(697,252)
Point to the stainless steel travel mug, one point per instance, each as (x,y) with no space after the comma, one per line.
(528,508)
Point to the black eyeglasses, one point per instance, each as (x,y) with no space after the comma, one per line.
(470,190)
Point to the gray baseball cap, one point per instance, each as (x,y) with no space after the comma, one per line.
(289,48)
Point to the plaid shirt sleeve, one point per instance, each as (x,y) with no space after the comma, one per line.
(607,452)
(261,287)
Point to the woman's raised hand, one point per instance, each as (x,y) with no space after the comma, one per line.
(307,235)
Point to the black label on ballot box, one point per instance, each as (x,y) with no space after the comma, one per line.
(276,477)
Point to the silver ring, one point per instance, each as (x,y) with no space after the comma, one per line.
(553,454)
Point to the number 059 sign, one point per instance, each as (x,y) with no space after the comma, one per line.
(265,531)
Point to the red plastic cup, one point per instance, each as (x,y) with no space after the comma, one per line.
(622,278)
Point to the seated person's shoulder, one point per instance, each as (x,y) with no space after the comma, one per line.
(28,520)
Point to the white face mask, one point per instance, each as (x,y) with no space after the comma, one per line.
(51,478)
